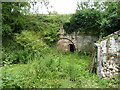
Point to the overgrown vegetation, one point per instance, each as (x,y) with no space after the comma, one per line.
(13,16)
(56,69)
(36,33)
(29,59)
(98,18)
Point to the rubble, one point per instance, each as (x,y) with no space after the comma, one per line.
(108,56)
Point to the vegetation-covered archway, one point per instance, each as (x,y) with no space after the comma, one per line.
(66,44)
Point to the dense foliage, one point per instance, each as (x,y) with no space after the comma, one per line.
(29,61)
(47,26)
(13,16)
(111,18)
(55,69)
(27,33)
(95,19)
(86,20)
(38,34)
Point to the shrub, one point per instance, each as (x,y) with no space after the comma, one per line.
(22,48)
(31,41)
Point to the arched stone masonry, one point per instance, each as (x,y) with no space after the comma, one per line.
(80,42)
(66,44)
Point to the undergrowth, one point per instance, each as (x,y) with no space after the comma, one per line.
(55,69)
(29,64)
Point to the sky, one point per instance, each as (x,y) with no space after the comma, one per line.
(64,6)
(61,6)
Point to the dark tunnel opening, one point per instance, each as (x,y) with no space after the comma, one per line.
(72,47)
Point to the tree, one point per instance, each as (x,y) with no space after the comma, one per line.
(84,21)
(13,16)
(111,18)
(38,6)
(99,18)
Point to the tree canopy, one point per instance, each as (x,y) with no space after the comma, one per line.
(86,20)
(13,16)
(95,18)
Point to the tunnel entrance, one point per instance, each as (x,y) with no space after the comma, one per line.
(72,47)
(66,44)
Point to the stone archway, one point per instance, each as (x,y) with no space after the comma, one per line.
(66,44)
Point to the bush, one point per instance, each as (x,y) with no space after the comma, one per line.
(22,48)
(16,56)
(31,41)
(12,52)
(6,29)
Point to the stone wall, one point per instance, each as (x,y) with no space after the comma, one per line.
(108,55)
(81,42)
(64,44)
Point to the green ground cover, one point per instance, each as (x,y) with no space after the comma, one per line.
(55,69)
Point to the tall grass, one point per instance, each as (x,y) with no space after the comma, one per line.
(54,69)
